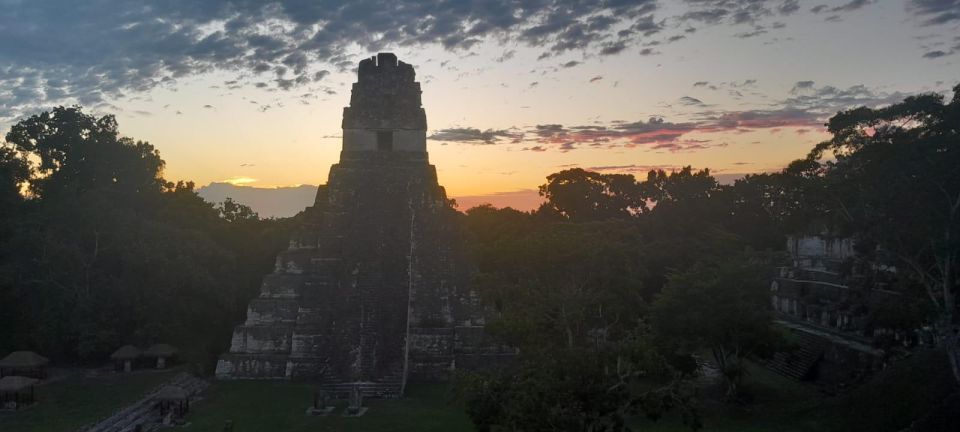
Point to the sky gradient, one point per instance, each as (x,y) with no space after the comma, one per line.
(252,94)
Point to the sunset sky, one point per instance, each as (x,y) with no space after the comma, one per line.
(252,93)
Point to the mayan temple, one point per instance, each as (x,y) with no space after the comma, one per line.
(373,289)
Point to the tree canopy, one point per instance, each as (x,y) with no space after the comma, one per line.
(100,250)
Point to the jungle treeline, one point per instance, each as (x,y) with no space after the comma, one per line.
(611,292)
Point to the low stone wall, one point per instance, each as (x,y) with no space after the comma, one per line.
(252,366)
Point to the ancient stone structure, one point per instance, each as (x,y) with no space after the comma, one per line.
(373,289)
(828,296)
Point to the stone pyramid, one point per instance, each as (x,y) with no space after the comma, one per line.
(374,287)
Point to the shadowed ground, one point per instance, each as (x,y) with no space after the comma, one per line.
(281,406)
(889,402)
(67,404)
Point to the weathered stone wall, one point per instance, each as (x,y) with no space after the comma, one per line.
(402,140)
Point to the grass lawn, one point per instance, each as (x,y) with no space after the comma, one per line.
(887,403)
(72,402)
(778,405)
(255,406)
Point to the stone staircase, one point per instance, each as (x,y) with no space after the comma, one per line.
(145,411)
(799,364)
(387,389)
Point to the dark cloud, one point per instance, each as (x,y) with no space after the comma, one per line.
(801,85)
(570,64)
(805,111)
(789,6)
(935,12)
(690,101)
(507,55)
(852,5)
(596,78)
(755,32)
(935,54)
(827,100)
(475,136)
(63,51)
(701,83)
(611,48)
(737,11)
(759,119)
(652,132)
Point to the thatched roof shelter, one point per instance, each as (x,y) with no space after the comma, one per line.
(126,352)
(172,393)
(161,350)
(13,384)
(23,360)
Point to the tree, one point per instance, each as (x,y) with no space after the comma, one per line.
(597,390)
(232,211)
(721,306)
(77,152)
(895,182)
(580,196)
(764,208)
(569,296)
(108,252)
(683,186)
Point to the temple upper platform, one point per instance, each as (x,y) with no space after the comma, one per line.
(385,113)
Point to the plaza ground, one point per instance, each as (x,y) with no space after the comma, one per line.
(889,402)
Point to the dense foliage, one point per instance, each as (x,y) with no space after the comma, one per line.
(573,285)
(616,274)
(98,250)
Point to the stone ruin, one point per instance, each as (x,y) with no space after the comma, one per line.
(374,287)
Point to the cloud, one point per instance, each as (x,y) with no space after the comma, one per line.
(935,54)
(90,53)
(596,78)
(736,11)
(760,119)
(804,111)
(827,100)
(475,136)
(935,12)
(690,101)
(789,6)
(65,51)
(611,48)
(507,55)
(852,5)
(801,86)
(755,32)
(615,134)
